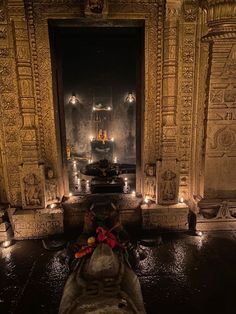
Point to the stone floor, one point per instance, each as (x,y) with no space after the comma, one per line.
(182,274)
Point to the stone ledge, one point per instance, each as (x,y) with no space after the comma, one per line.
(172,217)
(216,224)
(38,223)
(76,206)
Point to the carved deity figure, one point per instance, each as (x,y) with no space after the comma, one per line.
(33,192)
(96,6)
(168,185)
(150,187)
(150,170)
(51,186)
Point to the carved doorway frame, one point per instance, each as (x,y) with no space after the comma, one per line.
(152,14)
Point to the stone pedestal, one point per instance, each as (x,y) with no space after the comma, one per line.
(76,206)
(172,217)
(216,214)
(39,223)
(5,231)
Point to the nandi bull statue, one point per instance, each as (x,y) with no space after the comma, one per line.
(102,281)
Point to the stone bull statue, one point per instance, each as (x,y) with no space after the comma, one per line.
(102,283)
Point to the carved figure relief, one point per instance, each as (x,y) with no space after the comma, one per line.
(51,186)
(150,170)
(96,7)
(224,211)
(33,190)
(150,187)
(168,186)
(150,181)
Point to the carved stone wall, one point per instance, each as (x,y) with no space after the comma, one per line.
(220,159)
(220,179)
(10,116)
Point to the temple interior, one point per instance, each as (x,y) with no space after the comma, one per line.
(117,155)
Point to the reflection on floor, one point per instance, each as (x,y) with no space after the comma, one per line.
(178,273)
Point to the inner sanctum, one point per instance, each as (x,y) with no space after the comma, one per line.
(99,88)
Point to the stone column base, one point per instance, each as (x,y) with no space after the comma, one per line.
(5,231)
(38,223)
(76,206)
(173,217)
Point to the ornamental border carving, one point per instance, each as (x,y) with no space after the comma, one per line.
(187,90)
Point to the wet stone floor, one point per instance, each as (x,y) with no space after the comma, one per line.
(179,273)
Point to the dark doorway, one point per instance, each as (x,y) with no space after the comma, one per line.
(97,72)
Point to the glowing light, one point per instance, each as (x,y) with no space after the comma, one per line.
(70,194)
(94,108)
(115,159)
(112,139)
(6,243)
(130,98)
(146,200)
(87,181)
(91,138)
(53,205)
(108,108)
(181,199)
(133,193)
(126,179)
(73,100)
(199,233)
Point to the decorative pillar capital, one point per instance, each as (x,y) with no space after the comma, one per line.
(220,19)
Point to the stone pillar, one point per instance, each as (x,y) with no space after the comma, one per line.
(168,213)
(218,208)
(10,118)
(31,171)
(168,177)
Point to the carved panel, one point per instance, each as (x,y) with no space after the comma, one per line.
(150,181)
(187,94)
(32,186)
